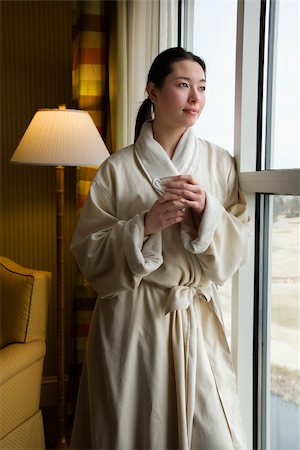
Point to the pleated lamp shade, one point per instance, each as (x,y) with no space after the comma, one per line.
(65,137)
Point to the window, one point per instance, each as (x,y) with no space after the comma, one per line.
(276,334)
(265,293)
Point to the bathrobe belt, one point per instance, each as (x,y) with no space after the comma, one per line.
(180,303)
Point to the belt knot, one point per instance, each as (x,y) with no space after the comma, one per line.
(181,297)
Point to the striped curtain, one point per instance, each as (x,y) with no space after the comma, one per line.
(89,80)
(90,60)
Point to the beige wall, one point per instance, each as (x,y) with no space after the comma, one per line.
(36,72)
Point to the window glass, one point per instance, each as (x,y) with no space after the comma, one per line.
(285,324)
(285,91)
(215,41)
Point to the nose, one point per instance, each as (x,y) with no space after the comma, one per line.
(194,95)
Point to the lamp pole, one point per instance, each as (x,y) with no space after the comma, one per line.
(60,286)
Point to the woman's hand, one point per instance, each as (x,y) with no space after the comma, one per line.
(191,194)
(166,211)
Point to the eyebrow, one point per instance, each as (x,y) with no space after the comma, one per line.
(189,79)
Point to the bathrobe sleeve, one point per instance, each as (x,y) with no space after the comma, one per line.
(113,254)
(222,241)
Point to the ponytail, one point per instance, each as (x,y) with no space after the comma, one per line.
(144,114)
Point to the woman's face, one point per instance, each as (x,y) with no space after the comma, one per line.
(180,100)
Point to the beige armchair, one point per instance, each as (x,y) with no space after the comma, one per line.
(24,295)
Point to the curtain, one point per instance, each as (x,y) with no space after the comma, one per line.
(143,28)
(114,43)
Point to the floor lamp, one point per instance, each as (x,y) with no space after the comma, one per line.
(61,137)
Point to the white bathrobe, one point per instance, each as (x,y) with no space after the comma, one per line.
(158,372)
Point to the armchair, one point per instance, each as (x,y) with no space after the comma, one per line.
(24,296)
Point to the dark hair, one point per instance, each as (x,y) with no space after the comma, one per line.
(160,68)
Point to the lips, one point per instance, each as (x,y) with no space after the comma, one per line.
(191,111)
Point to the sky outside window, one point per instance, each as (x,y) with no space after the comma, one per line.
(215,42)
(286,153)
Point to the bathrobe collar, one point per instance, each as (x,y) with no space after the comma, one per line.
(155,161)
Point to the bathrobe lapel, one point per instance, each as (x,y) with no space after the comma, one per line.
(155,161)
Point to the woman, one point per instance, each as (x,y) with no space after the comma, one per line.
(163,225)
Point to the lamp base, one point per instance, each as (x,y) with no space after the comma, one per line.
(61,443)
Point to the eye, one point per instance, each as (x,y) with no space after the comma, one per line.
(202,88)
(183,84)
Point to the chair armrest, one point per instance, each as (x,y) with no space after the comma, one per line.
(16,357)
